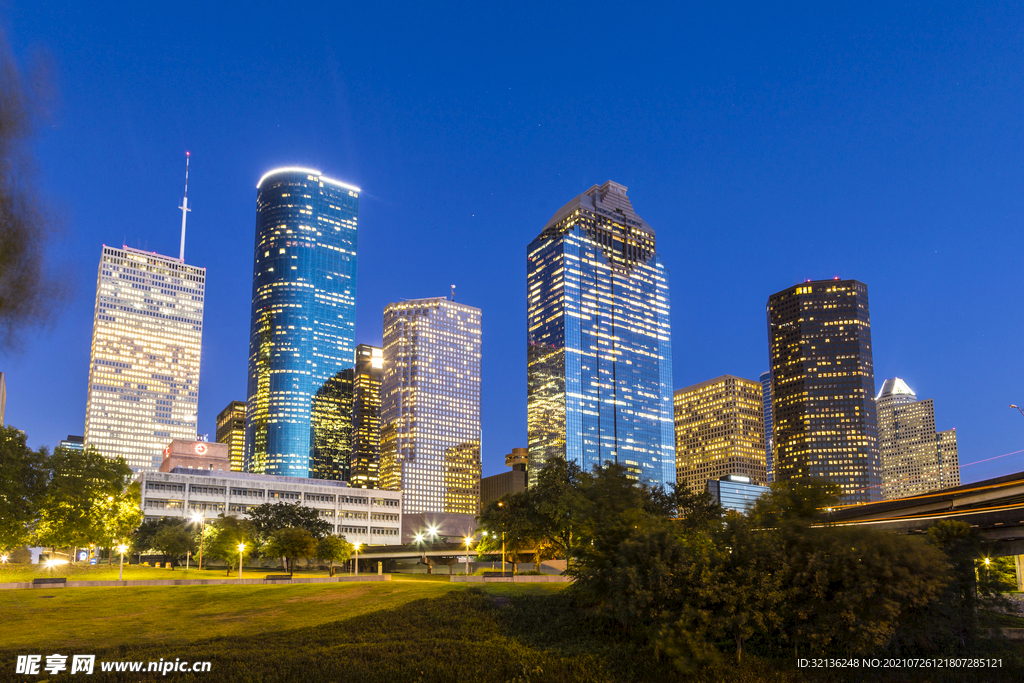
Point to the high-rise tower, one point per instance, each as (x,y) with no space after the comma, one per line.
(430,405)
(146,340)
(599,351)
(766,403)
(720,431)
(915,458)
(303,322)
(366,416)
(823,385)
(231,430)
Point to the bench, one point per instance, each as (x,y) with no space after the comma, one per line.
(53,582)
(498,575)
(277,577)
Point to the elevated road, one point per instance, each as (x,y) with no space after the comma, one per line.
(994,507)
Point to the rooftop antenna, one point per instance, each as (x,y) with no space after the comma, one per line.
(453,292)
(184,211)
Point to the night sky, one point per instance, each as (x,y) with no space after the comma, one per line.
(881,143)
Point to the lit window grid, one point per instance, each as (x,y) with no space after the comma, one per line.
(823,411)
(146,344)
(430,405)
(231,431)
(599,350)
(720,431)
(303,313)
(915,459)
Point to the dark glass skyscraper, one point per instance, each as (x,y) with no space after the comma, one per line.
(303,324)
(599,351)
(823,387)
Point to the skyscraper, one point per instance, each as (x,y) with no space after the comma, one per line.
(599,352)
(430,405)
(366,416)
(231,430)
(915,458)
(823,385)
(719,432)
(303,322)
(766,402)
(146,340)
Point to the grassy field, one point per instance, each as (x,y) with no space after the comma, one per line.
(414,628)
(10,573)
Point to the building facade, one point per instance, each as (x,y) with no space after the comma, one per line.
(430,406)
(823,408)
(146,343)
(366,416)
(495,486)
(303,323)
(367,517)
(231,431)
(766,403)
(735,492)
(599,351)
(915,458)
(73,443)
(719,432)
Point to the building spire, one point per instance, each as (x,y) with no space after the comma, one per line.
(184,210)
(453,292)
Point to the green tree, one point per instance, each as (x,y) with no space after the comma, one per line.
(290,544)
(173,541)
(696,511)
(270,517)
(510,522)
(29,289)
(555,502)
(223,536)
(333,549)
(799,501)
(142,540)
(22,487)
(119,517)
(80,484)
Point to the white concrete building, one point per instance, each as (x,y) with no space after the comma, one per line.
(367,516)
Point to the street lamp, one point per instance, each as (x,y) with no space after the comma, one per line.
(120,569)
(241,548)
(3,559)
(1018,408)
(200,519)
(468,540)
(357,557)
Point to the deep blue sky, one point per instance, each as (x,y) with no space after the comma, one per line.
(765,147)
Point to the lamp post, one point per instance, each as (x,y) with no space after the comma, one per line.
(241,548)
(200,518)
(468,540)
(120,569)
(357,557)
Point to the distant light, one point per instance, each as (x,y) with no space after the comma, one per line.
(3,559)
(419,538)
(187,153)
(836,277)
(241,547)
(122,548)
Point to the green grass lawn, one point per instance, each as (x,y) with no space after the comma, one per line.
(10,573)
(414,628)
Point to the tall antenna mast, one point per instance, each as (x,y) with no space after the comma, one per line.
(453,292)
(184,211)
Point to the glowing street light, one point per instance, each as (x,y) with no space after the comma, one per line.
(468,540)
(357,545)
(3,559)
(120,569)
(200,519)
(241,549)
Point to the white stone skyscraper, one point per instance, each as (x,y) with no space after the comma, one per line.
(430,406)
(146,341)
(915,458)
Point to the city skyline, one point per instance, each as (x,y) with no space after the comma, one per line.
(762,169)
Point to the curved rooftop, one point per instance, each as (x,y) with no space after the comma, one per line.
(309,171)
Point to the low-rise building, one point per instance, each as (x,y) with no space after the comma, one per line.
(204,483)
(494,487)
(736,492)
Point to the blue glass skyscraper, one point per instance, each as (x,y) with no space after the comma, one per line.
(766,393)
(599,350)
(302,336)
